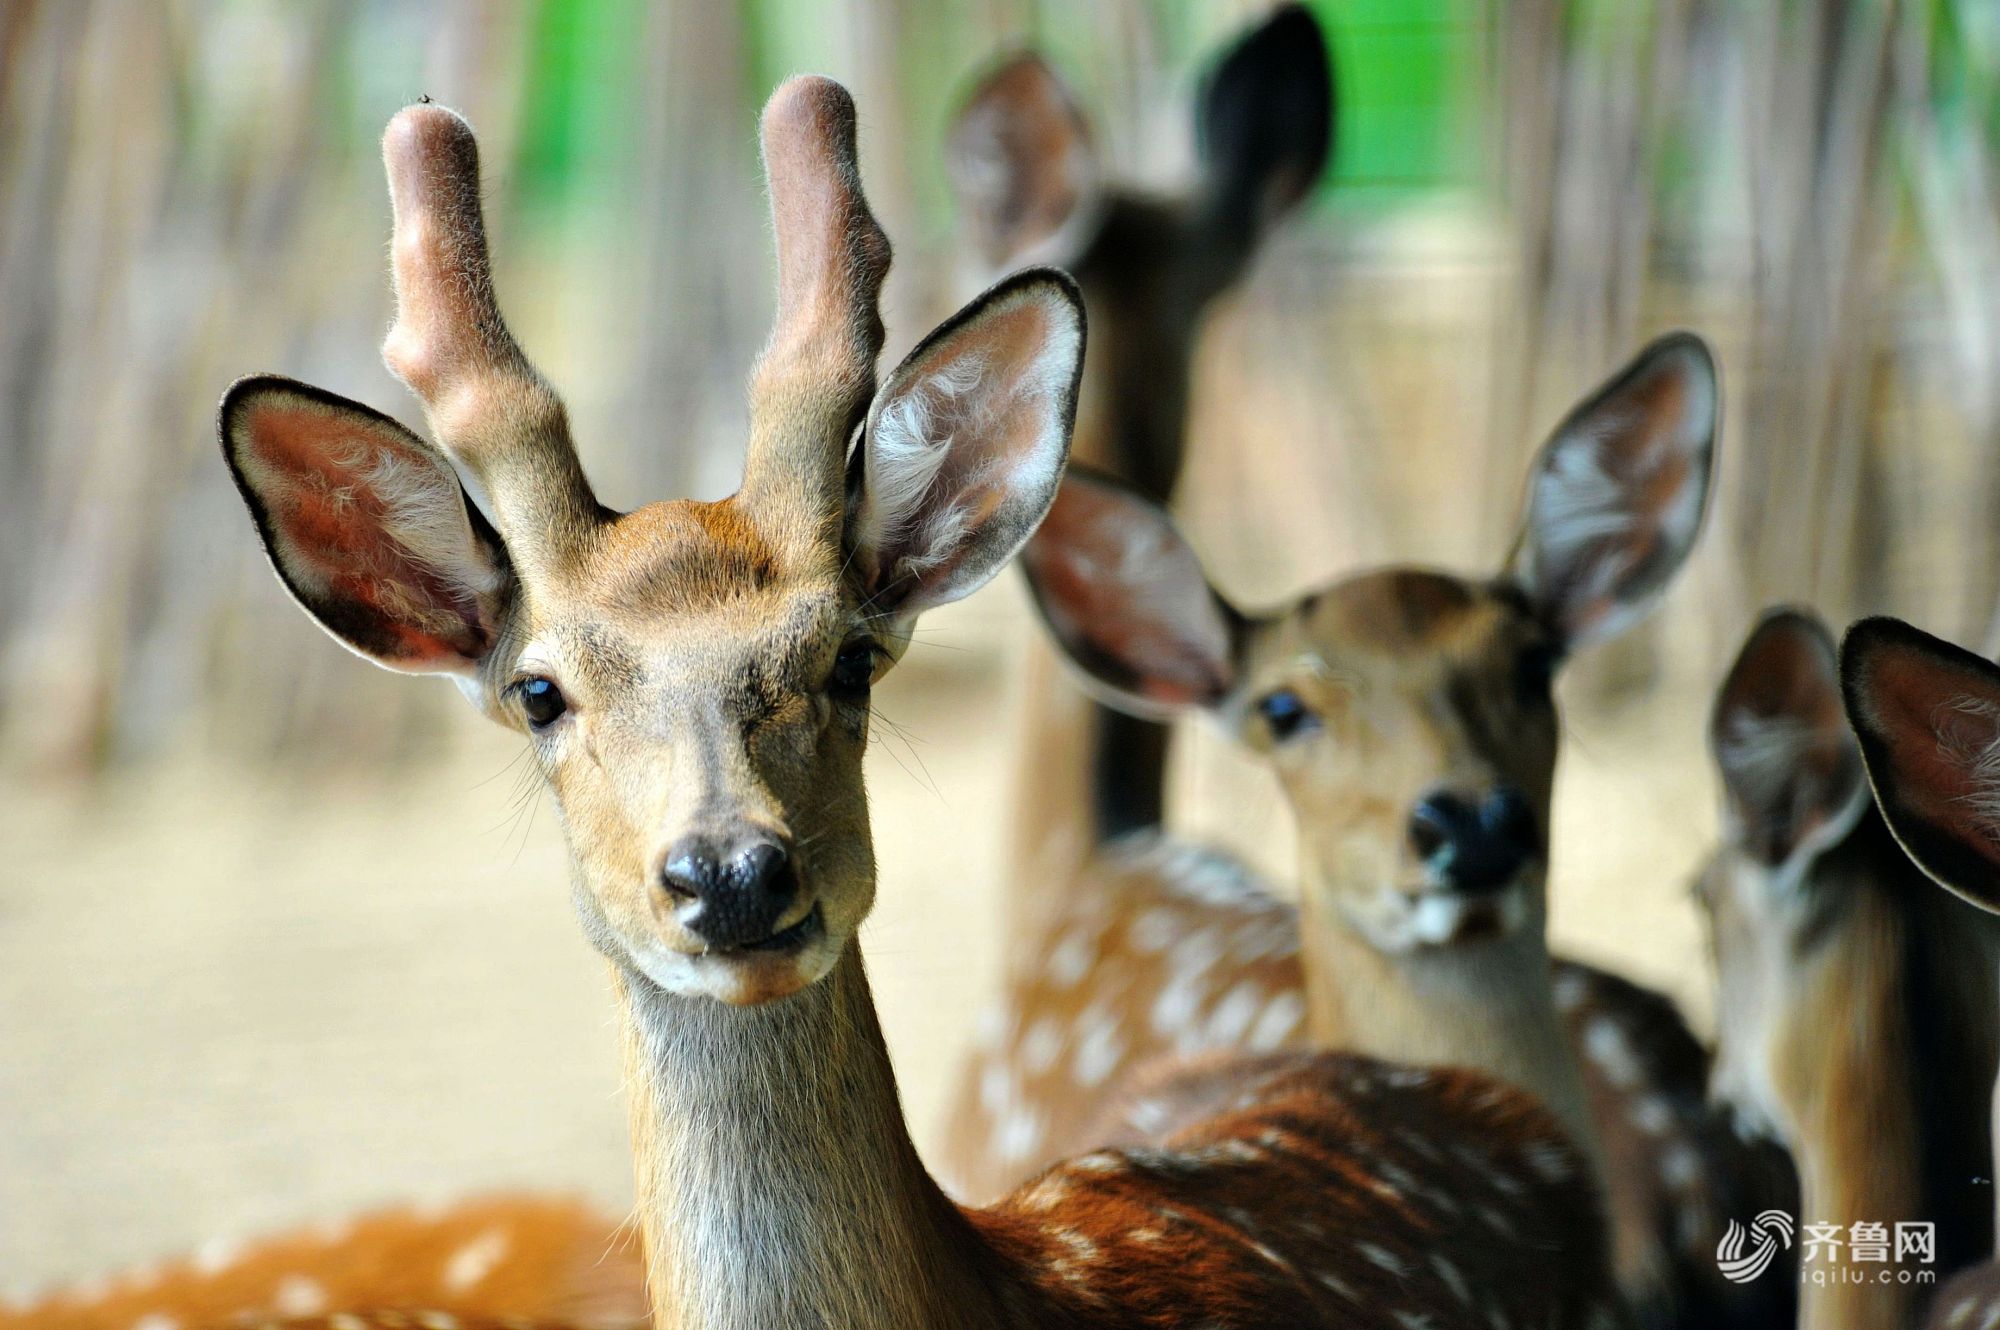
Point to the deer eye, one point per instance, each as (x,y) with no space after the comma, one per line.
(1286,713)
(853,670)
(542,701)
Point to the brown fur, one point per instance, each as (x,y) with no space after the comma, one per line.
(533,1258)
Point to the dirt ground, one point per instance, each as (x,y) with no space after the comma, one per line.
(230,1001)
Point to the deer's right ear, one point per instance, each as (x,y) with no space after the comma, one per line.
(1127,600)
(1928,717)
(366,526)
(1791,773)
(1618,493)
(1020,160)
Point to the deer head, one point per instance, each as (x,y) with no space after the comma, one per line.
(1031,189)
(1793,794)
(1407,712)
(692,678)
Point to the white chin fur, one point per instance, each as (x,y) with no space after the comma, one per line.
(1438,919)
(738,980)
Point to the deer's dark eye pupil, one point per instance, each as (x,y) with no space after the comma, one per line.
(853,669)
(1286,713)
(543,702)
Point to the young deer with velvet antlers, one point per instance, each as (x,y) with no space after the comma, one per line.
(1855,1003)
(1030,188)
(1927,715)
(1409,715)
(693,681)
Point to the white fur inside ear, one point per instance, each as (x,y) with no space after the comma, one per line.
(1977,757)
(963,442)
(425,514)
(1588,528)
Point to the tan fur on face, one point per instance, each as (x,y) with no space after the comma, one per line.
(1412,677)
(693,655)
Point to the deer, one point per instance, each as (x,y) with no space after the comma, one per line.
(1408,714)
(518,1257)
(692,680)
(1926,716)
(1030,188)
(1855,1003)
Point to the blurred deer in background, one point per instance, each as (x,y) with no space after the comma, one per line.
(693,681)
(1031,189)
(1855,1004)
(523,1258)
(1409,715)
(1927,715)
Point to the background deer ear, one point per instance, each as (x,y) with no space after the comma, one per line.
(1265,125)
(1020,159)
(366,526)
(1616,496)
(964,446)
(1126,599)
(1927,714)
(1791,772)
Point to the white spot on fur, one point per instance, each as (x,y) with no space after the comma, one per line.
(297,1295)
(156,1321)
(437,1321)
(1383,1257)
(1041,1046)
(1071,959)
(1153,931)
(1653,1116)
(1279,1021)
(1100,1050)
(477,1259)
(217,1255)
(1605,1044)
(1453,1279)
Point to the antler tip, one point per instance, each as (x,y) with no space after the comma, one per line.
(809,105)
(421,134)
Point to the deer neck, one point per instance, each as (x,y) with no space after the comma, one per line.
(1489,1006)
(1887,1125)
(777,1183)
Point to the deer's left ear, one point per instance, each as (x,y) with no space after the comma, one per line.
(1266,121)
(1927,714)
(1616,497)
(964,447)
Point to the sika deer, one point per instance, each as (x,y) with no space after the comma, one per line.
(515,1257)
(1031,189)
(1855,1003)
(693,682)
(1409,715)
(1927,715)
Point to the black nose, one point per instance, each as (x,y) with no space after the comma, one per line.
(1475,846)
(728,895)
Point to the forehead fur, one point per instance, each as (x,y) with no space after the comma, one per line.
(1403,612)
(683,557)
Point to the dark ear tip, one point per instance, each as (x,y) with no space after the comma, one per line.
(243,393)
(1687,345)
(1795,619)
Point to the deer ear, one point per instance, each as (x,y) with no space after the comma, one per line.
(1927,714)
(366,526)
(1266,122)
(1126,599)
(964,446)
(1020,159)
(1791,773)
(1617,494)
